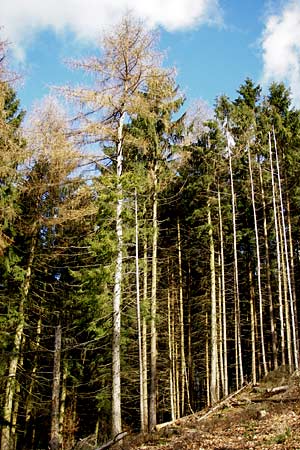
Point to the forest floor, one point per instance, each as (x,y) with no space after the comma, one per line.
(266,416)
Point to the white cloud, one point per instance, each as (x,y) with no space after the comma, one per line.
(22,19)
(281,48)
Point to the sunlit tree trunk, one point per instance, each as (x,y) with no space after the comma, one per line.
(252,320)
(287,320)
(171,346)
(55,435)
(181,320)
(268,275)
(138,314)
(207,361)
(223,295)
(153,352)
(287,263)
(238,343)
(291,255)
(144,335)
(278,255)
(214,327)
(260,299)
(116,363)
(62,408)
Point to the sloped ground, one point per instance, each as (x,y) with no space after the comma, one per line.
(263,417)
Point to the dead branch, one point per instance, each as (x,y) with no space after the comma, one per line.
(113,441)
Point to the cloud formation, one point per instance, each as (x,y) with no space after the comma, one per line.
(281,48)
(23,19)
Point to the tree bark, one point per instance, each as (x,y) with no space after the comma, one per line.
(268,275)
(214,331)
(55,435)
(153,351)
(144,336)
(116,362)
(138,314)
(278,255)
(260,299)
(181,320)
(238,344)
(286,253)
(223,295)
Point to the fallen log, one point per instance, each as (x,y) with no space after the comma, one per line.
(113,441)
(277,390)
(208,413)
(275,400)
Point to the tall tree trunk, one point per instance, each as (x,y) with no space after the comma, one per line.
(214,327)
(278,254)
(171,346)
(13,365)
(291,253)
(116,357)
(14,421)
(138,314)
(286,301)
(260,299)
(144,335)
(189,324)
(181,320)
(252,320)
(207,361)
(286,253)
(223,295)
(238,343)
(62,409)
(55,435)
(268,275)
(153,350)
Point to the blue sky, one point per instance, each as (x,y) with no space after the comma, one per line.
(214,44)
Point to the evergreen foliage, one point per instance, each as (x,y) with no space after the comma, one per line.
(193,223)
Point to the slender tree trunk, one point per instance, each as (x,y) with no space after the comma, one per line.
(268,275)
(55,436)
(116,357)
(13,365)
(291,253)
(260,299)
(189,324)
(207,362)
(170,343)
(14,436)
(62,409)
(223,294)
(286,301)
(238,344)
(214,327)
(144,336)
(252,319)
(153,353)
(138,313)
(278,254)
(286,253)
(220,328)
(181,319)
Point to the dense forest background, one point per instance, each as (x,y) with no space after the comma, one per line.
(149,257)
